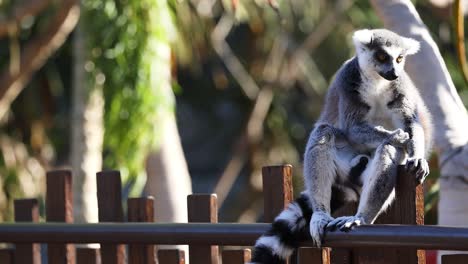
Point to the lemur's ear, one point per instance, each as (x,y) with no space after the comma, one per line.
(412,46)
(362,37)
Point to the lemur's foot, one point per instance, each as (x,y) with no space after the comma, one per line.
(318,222)
(399,137)
(345,223)
(419,167)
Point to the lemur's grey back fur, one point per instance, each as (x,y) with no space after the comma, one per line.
(373,119)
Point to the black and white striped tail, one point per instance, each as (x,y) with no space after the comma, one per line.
(289,228)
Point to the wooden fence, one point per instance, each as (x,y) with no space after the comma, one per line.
(136,243)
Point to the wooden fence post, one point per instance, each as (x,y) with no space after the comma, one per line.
(239,256)
(109,193)
(88,256)
(278,193)
(408,209)
(59,208)
(277,190)
(171,256)
(343,255)
(141,210)
(27,210)
(7,255)
(203,208)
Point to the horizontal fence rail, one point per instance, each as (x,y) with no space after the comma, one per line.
(409,236)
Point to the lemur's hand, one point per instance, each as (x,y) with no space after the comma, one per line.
(399,138)
(318,222)
(419,167)
(345,223)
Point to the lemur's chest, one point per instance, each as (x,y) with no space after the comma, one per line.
(377,97)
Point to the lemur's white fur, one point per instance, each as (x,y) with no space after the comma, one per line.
(362,37)
(276,246)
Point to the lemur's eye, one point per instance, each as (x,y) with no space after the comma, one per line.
(381,56)
(399,59)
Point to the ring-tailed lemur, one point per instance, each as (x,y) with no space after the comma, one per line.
(373,120)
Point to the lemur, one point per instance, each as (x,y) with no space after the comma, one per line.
(373,120)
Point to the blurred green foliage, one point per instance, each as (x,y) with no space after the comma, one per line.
(124,40)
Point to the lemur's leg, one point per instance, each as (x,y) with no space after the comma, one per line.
(311,208)
(320,173)
(323,163)
(379,179)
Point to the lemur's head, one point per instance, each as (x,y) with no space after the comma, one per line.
(383,52)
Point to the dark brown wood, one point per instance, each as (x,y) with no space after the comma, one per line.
(409,210)
(141,210)
(277,190)
(171,256)
(343,255)
(7,256)
(203,208)
(378,255)
(27,210)
(455,259)
(59,208)
(88,256)
(307,255)
(236,256)
(109,193)
(373,236)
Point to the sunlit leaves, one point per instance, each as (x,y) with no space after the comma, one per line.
(125,40)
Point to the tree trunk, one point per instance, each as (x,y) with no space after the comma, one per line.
(168,179)
(87,136)
(429,73)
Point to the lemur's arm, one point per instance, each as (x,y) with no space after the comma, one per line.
(352,119)
(409,111)
(364,134)
(414,128)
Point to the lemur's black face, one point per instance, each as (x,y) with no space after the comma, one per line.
(388,62)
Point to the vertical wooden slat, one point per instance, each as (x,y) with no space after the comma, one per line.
(343,255)
(171,256)
(409,210)
(239,256)
(455,259)
(313,255)
(88,256)
(7,255)
(277,190)
(277,194)
(141,210)
(59,208)
(378,255)
(109,192)
(203,208)
(27,210)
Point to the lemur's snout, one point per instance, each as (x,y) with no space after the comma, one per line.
(389,75)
